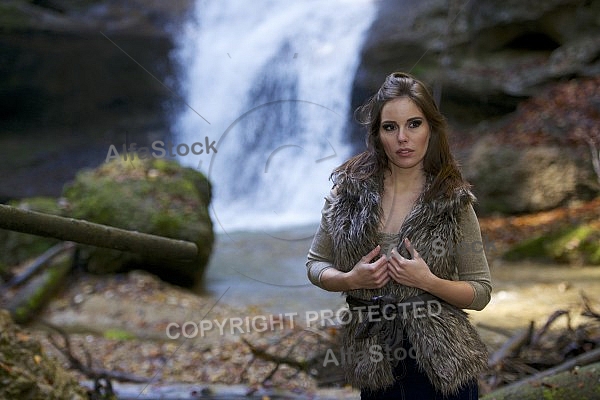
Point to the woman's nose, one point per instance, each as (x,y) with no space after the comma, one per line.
(401,135)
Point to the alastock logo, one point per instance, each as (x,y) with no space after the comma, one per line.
(160,150)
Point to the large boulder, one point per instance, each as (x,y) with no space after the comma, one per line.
(539,156)
(70,86)
(511,179)
(27,373)
(155,196)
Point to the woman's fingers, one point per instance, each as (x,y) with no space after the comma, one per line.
(411,249)
(373,274)
(372,254)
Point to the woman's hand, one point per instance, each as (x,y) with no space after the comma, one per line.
(370,275)
(414,272)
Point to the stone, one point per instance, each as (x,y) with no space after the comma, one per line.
(483,57)
(154,196)
(510,179)
(70,88)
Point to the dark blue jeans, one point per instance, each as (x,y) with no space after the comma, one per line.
(412,384)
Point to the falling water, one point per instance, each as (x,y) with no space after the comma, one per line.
(269,81)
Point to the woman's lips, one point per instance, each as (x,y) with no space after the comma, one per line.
(404,152)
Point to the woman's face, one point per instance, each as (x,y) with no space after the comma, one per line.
(404,133)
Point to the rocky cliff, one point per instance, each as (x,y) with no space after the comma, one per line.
(78,76)
(483,59)
(484,56)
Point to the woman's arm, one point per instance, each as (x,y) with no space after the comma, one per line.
(472,265)
(322,273)
(364,275)
(416,273)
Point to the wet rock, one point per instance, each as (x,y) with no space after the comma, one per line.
(70,88)
(539,156)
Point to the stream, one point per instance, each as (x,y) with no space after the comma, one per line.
(267,269)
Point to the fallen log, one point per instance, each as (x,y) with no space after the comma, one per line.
(575,384)
(36,291)
(80,231)
(584,359)
(511,347)
(36,264)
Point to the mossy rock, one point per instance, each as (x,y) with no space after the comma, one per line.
(16,247)
(155,196)
(27,373)
(578,244)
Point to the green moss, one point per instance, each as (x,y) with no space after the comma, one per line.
(118,334)
(27,372)
(578,244)
(166,167)
(38,290)
(158,197)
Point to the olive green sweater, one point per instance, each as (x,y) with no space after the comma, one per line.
(472,266)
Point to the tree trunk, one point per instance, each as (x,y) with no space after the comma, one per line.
(85,232)
(576,384)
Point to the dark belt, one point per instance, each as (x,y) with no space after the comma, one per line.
(377,315)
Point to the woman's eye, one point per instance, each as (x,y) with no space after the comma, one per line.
(388,127)
(415,123)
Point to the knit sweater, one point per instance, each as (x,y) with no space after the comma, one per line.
(472,265)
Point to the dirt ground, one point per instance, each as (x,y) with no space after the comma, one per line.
(122,321)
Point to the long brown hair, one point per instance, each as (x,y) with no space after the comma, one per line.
(439,163)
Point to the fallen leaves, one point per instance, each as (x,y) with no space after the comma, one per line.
(506,231)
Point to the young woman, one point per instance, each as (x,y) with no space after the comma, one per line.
(399,237)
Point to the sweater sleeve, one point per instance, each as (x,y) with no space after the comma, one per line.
(472,265)
(320,254)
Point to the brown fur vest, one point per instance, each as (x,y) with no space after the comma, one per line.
(446,345)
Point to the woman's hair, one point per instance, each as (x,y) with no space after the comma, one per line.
(438,163)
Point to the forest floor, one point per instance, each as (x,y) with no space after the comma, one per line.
(122,320)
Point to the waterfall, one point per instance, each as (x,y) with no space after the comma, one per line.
(269,81)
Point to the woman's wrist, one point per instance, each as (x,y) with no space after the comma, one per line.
(335,280)
(349,280)
(431,283)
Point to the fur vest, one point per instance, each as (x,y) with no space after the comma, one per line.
(446,346)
